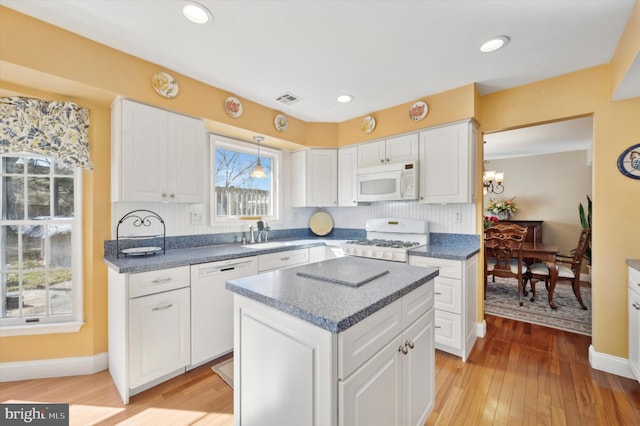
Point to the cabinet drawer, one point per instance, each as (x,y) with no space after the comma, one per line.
(151,282)
(634,280)
(447,267)
(448,330)
(267,262)
(416,303)
(360,342)
(448,295)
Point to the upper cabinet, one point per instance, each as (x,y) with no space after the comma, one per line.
(156,155)
(448,163)
(392,150)
(314,178)
(347,164)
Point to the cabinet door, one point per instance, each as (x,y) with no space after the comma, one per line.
(371,154)
(419,370)
(634,332)
(186,159)
(298,179)
(347,165)
(373,394)
(446,168)
(322,178)
(159,338)
(144,153)
(402,148)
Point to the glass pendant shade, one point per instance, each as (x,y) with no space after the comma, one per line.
(258,172)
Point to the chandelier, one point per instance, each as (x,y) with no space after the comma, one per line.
(492,182)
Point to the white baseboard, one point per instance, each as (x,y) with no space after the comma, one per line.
(57,367)
(610,364)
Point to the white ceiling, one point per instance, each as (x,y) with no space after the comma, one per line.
(384,53)
(561,136)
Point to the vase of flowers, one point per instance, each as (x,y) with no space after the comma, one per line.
(489,221)
(502,209)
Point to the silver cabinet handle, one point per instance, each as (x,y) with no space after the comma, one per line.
(285,258)
(437,293)
(172,195)
(162,280)
(162,308)
(403,349)
(437,326)
(164,195)
(636,305)
(410,344)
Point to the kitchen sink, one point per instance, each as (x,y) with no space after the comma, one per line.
(263,246)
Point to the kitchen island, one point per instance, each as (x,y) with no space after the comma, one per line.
(346,341)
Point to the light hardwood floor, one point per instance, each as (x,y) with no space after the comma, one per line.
(519,374)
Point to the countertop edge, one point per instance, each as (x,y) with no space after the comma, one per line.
(634,263)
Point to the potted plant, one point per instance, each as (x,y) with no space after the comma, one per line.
(585,221)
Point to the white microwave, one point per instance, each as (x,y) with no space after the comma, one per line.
(389,182)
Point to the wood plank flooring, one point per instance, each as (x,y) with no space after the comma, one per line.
(519,374)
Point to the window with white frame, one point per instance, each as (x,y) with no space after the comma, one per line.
(41,242)
(235,192)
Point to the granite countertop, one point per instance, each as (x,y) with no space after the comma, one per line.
(634,263)
(195,255)
(451,251)
(314,300)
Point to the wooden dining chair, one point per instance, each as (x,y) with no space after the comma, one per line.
(503,254)
(568,268)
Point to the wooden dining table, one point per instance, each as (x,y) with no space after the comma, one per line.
(546,253)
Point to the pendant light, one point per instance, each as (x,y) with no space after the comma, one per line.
(258,172)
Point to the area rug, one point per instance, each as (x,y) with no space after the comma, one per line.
(502,301)
(225,371)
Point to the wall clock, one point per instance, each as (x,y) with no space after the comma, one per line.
(629,162)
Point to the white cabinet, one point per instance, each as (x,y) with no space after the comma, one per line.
(448,163)
(456,289)
(318,254)
(347,165)
(379,371)
(157,155)
(282,259)
(212,306)
(392,150)
(634,322)
(393,387)
(149,328)
(159,340)
(314,178)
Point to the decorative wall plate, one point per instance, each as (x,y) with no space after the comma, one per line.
(368,124)
(164,85)
(233,107)
(418,111)
(281,123)
(629,162)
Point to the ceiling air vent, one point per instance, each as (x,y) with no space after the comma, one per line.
(288,98)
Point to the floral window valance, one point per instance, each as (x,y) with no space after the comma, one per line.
(51,128)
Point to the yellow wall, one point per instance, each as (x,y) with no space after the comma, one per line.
(616,199)
(628,49)
(51,63)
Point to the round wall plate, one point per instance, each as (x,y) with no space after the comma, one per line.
(164,84)
(368,124)
(281,123)
(233,107)
(629,162)
(418,111)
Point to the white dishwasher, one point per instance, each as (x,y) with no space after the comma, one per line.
(212,306)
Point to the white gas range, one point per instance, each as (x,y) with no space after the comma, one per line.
(389,239)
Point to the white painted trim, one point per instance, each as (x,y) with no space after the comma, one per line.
(59,367)
(481,329)
(610,364)
(44,328)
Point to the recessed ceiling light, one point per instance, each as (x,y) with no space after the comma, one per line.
(494,44)
(197,13)
(345,99)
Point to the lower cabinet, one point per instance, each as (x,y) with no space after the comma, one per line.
(149,328)
(634,322)
(395,386)
(381,371)
(456,300)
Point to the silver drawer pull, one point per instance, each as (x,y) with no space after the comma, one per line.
(410,344)
(636,305)
(162,308)
(437,326)
(437,293)
(284,258)
(403,349)
(162,280)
